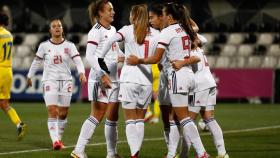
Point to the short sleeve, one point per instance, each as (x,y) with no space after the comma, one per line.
(164,39)
(40,52)
(94,36)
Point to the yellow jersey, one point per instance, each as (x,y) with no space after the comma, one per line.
(6,43)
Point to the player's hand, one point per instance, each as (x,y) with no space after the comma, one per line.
(177,64)
(132,60)
(160,67)
(106,81)
(121,59)
(83,78)
(29,82)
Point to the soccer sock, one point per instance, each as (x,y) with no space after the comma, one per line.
(131,136)
(140,131)
(166,135)
(86,133)
(13,116)
(156,109)
(53,129)
(217,134)
(174,138)
(190,131)
(185,148)
(111,135)
(61,127)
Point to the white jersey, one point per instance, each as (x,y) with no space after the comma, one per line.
(203,77)
(176,42)
(56,59)
(98,36)
(166,66)
(140,74)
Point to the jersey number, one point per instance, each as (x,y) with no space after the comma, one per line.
(57,59)
(5,46)
(146,49)
(186,42)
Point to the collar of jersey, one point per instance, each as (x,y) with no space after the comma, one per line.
(108,28)
(57,43)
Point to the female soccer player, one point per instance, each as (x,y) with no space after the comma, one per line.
(56,54)
(136,92)
(6,75)
(177,39)
(103,87)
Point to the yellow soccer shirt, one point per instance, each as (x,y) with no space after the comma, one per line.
(6,43)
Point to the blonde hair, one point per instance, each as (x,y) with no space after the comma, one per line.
(93,9)
(140,18)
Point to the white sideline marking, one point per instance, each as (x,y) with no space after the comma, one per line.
(148,139)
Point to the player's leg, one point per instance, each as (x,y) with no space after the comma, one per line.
(99,101)
(5,90)
(111,128)
(179,103)
(174,135)
(210,121)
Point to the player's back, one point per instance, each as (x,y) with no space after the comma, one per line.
(143,72)
(203,76)
(6,43)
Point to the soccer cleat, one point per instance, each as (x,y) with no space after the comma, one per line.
(57,145)
(75,154)
(149,115)
(154,120)
(205,155)
(136,155)
(114,156)
(21,131)
(62,145)
(223,156)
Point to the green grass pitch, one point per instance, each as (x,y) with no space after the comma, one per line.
(250,131)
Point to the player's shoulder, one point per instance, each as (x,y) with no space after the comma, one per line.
(44,43)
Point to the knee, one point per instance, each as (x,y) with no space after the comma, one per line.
(53,112)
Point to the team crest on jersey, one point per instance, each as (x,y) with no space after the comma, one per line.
(66,50)
(47,88)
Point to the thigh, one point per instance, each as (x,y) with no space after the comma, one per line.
(51,92)
(6,83)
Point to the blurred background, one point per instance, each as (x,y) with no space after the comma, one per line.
(243,46)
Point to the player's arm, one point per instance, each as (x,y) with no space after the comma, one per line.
(178,64)
(134,60)
(108,45)
(37,61)
(80,67)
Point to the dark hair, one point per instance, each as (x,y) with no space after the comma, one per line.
(181,14)
(156,8)
(4,19)
(140,18)
(93,9)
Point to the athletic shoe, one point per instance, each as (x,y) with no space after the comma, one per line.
(75,154)
(205,155)
(136,155)
(21,131)
(149,115)
(223,156)
(57,145)
(115,156)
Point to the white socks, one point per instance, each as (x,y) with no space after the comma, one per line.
(174,138)
(217,134)
(86,133)
(190,131)
(53,129)
(132,136)
(111,135)
(61,125)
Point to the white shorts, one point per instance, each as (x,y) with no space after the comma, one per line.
(206,97)
(163,94)
(179,100)
(97,93)
(57,92)
(181,81)
(139,95)
(196,109)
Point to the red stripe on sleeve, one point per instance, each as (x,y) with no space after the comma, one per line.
(121,35)
(93,42)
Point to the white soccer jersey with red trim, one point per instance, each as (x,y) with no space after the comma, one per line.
(98,36)
(140,74)
(203,77)
(57,59)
